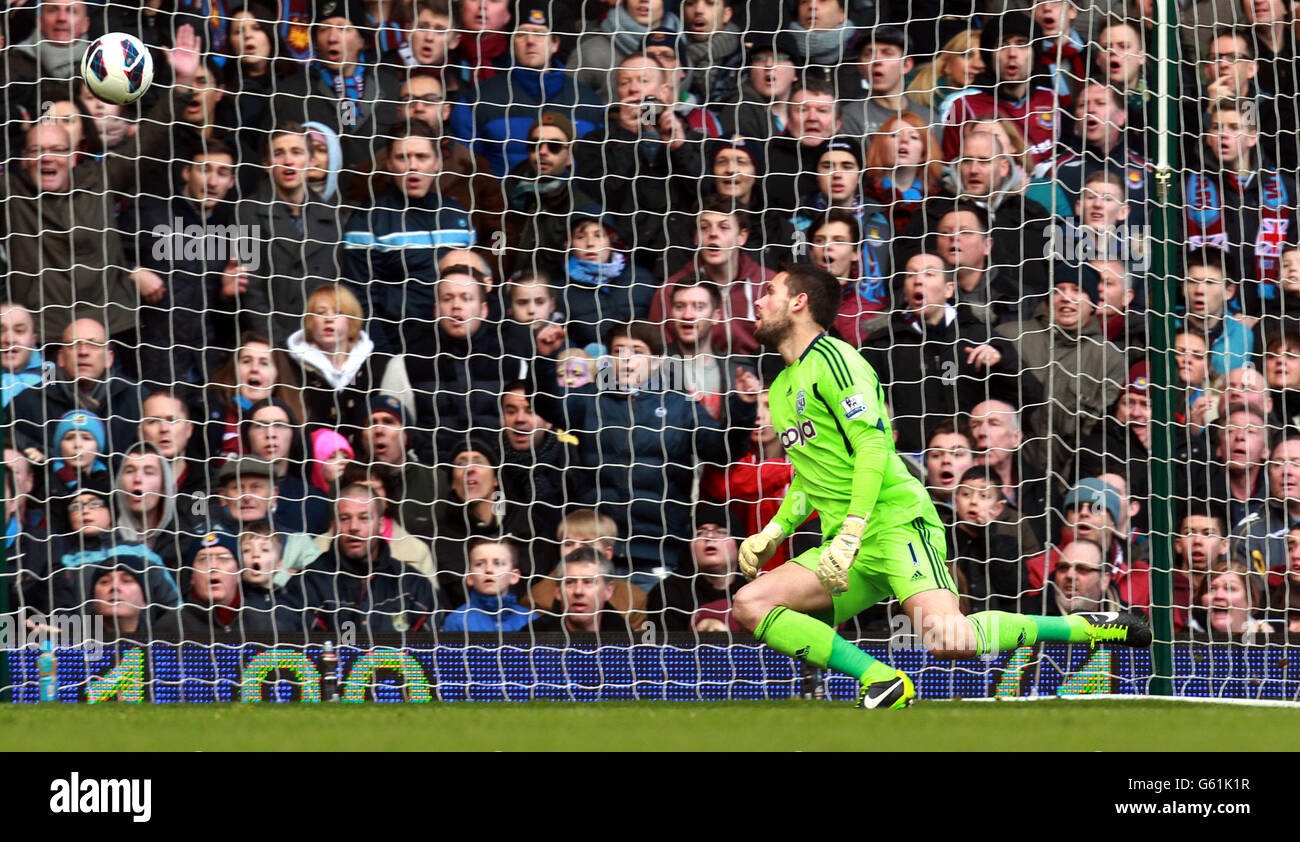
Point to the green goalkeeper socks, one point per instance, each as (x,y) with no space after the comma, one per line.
(801,636)
(998,631)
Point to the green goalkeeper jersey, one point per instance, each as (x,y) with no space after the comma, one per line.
(829,410)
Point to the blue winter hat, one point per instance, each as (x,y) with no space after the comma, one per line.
(213,539)
(750,146)
(1095,492)
(663,37)
(80,419)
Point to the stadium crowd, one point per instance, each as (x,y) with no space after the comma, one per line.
(437,316)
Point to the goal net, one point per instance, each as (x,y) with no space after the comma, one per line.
(410,349)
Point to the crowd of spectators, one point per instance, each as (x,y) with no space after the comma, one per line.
(437,316)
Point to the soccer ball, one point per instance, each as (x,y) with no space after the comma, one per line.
(118,68)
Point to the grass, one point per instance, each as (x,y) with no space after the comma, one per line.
(1142,725)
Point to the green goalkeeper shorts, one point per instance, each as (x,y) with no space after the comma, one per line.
(900,561)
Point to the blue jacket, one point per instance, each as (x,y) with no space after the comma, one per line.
(644,446)
(592,309)
(77,560)
(394,242)
(487,614)
(496,125)
(1232,343)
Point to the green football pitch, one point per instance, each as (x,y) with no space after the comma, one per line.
(1100,725)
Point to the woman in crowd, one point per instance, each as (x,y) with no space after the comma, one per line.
(336,359)
(955,69)
(903,167)
(1232,602)
(255,372)
(272,432)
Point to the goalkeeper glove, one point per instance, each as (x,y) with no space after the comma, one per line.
(837,558)
(756,550)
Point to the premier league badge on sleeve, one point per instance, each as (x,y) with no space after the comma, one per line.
(800,403)
(853,406)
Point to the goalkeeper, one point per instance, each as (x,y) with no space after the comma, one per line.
(883,536)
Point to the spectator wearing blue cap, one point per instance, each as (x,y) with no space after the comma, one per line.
(1095,511)
(81,439)
(214,601)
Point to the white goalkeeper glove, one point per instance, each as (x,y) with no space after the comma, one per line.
(838,557)
(757,550)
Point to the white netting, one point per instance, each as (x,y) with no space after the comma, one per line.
(494,268)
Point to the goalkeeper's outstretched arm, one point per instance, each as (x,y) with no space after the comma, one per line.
(871,452)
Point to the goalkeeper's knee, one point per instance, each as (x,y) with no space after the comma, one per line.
(949,636)
(750,606)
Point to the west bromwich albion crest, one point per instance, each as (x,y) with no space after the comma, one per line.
(800,403)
